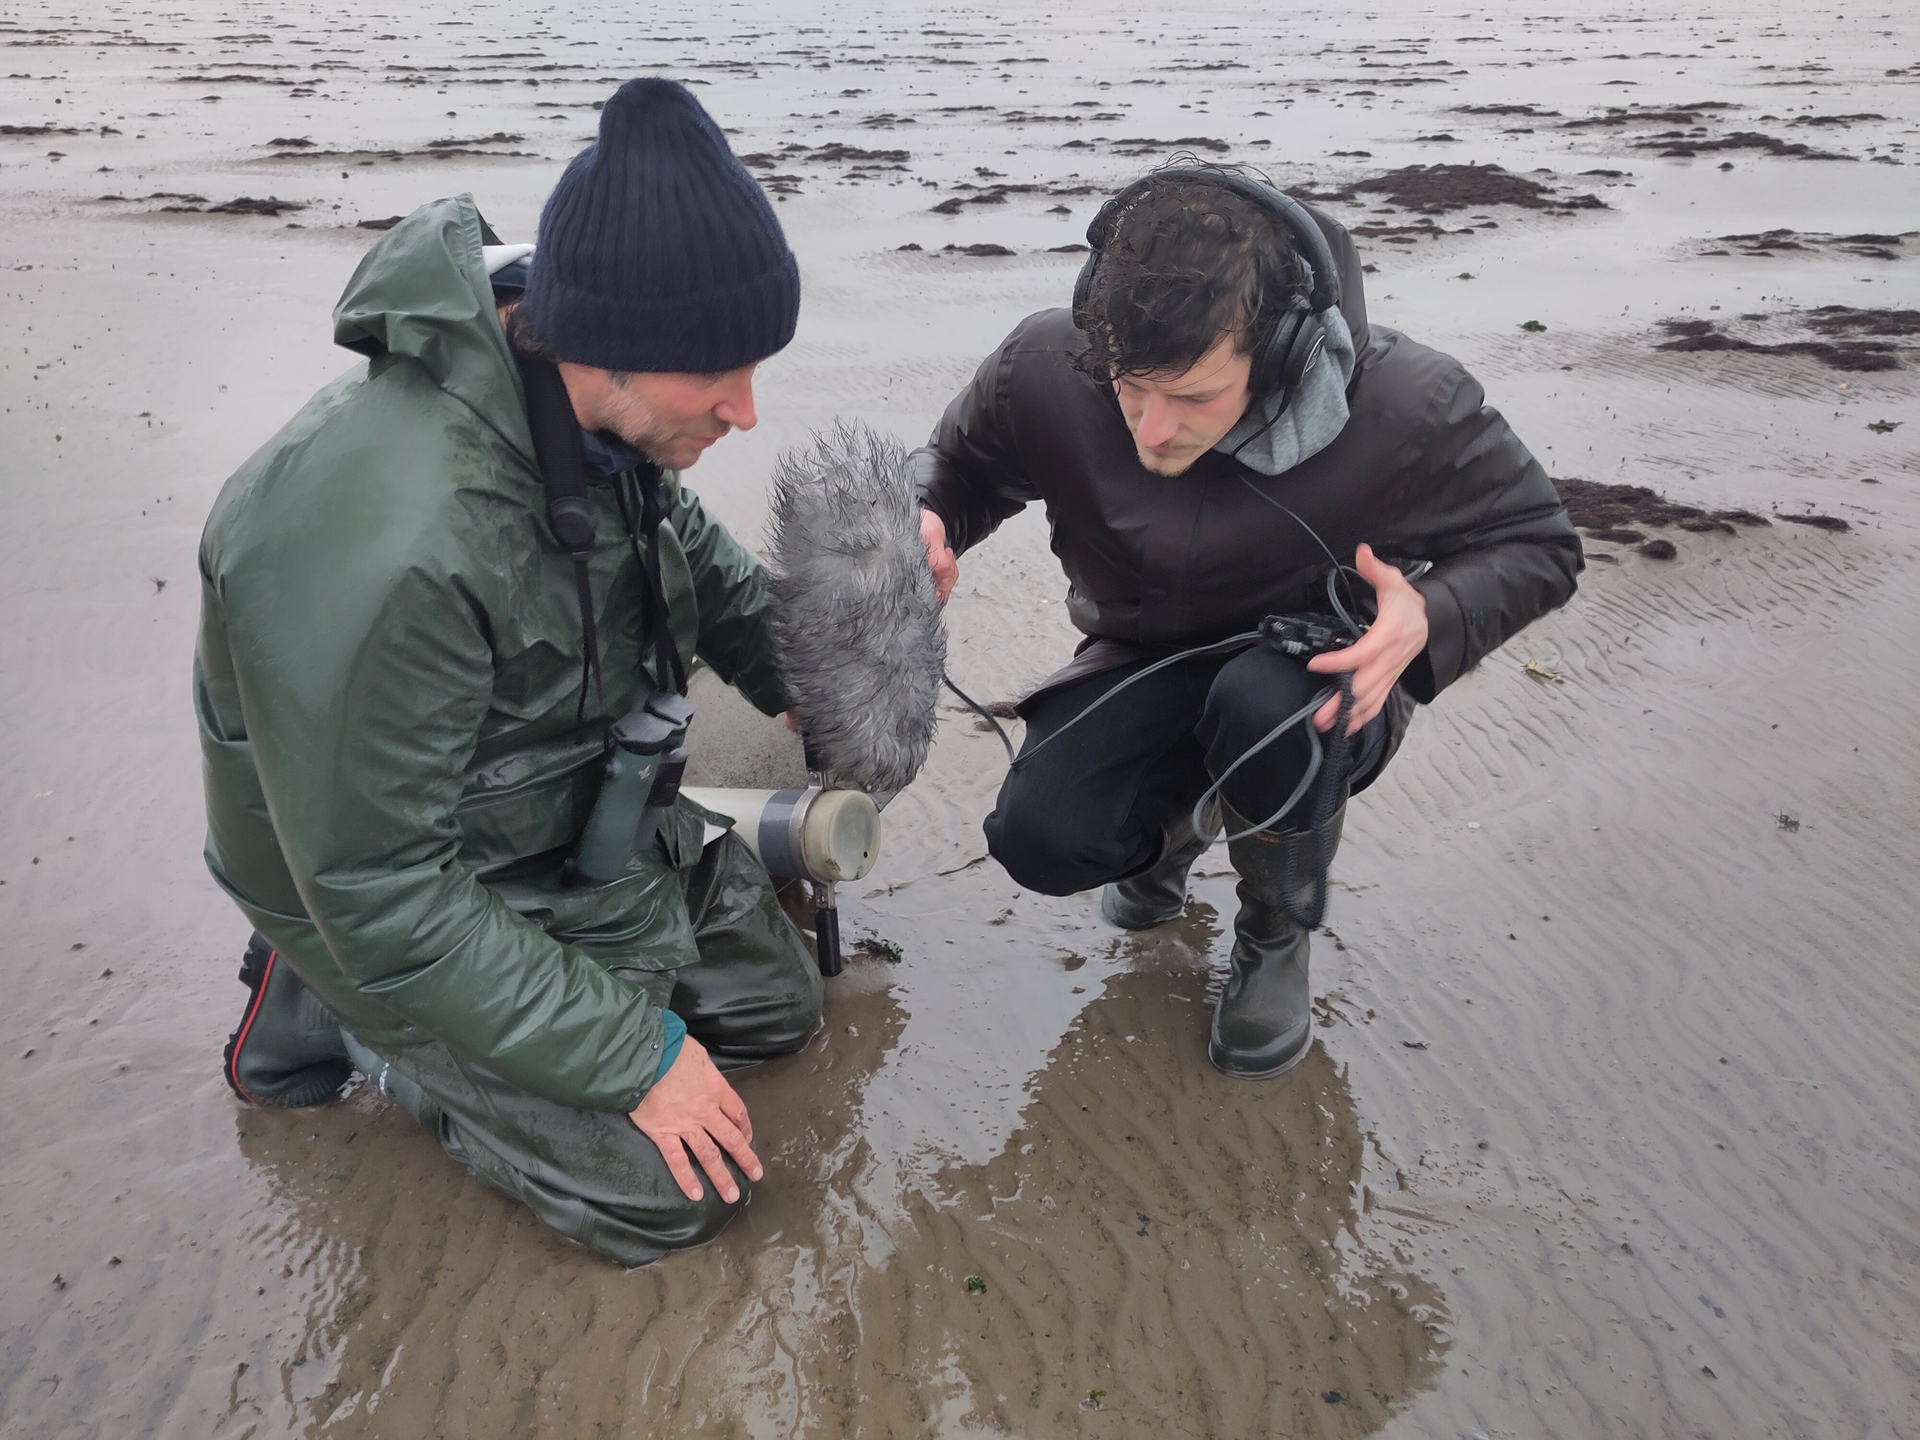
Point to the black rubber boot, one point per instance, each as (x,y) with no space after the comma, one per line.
(288,1051)
(1158,893)
(1263,1023)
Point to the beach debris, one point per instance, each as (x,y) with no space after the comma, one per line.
(432,150)
(1832,523)
(1619,115)
(875,947)
(1657,550)
(1609,513)
(1542,672)
(1787,823)
(1332,1397)
(1528,111)
(1139,145)
(1439,188)
(1695,335)
(1533,327)
(975,1285)
(1684,146)
(1092,1402)
(272,205)
(1884,427)
(1770,243)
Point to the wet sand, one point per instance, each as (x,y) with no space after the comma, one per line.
(1611,1126)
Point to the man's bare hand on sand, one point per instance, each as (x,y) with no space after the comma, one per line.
(692,1107)
(1397,635)
(940,556)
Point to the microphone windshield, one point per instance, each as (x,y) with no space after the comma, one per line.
(857,627)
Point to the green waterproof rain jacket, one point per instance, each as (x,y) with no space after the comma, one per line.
(387,680)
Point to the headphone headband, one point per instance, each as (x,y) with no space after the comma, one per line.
(1299,224)
(1294,343)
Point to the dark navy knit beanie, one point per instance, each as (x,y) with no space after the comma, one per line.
(658,252)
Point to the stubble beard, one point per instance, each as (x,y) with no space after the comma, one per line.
(1162,466)
(634,423)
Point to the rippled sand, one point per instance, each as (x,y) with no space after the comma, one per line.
(1611,1127)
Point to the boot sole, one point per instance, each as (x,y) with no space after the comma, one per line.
(1273,1074)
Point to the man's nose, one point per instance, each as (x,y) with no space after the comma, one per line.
(1157,423)
(735,406)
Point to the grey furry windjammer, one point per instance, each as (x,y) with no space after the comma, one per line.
(857,629)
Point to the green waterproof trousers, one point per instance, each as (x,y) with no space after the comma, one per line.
(754,993)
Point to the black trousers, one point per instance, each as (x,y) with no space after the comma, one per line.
(1096,806)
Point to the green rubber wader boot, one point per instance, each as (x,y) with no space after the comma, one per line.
(1263,1022)
(288,1051)
(1158,893)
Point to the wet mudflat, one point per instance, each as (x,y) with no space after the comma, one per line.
(1611,1126)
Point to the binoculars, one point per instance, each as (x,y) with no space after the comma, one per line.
(645,762)
(818,835)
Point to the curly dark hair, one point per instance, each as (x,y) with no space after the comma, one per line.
(1187,261)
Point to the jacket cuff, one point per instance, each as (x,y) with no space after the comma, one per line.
(765,691)
(1436,667)
(673,1030)
(927,472)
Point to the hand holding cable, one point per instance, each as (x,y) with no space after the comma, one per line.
(1398,634)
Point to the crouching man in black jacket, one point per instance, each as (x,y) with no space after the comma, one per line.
(1210,427)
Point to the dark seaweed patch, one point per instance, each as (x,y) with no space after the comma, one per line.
(1610,513)
(240,205)
(1831,523)
(1683,147)
(1861,356)
(1436,189)
(1672,115)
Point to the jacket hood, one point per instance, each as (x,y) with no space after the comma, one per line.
(1346,259)
(1279,431)
(422,294)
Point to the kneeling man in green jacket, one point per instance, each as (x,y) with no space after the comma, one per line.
(409,659)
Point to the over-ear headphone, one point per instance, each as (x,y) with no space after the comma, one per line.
(1283,356)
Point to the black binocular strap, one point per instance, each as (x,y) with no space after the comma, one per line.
(669,668)
(563,471)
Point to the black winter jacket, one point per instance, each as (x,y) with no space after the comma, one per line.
(1424,469)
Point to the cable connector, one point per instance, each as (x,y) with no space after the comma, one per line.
(1303,636)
